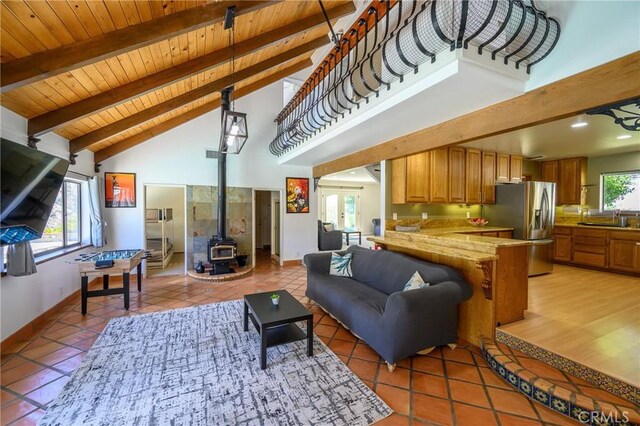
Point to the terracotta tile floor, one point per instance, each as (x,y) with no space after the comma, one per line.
(445,387)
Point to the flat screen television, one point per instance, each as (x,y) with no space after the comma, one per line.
(31,180)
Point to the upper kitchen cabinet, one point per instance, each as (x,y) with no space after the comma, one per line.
(570,176)
(508,168)
(549,171)
(439,182)
(473,171)
(457,175)
(417,186)
(488,177)
(399,180)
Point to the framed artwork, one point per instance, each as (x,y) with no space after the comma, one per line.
(119,189)
(297,195)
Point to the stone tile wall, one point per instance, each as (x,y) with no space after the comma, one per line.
(202,220)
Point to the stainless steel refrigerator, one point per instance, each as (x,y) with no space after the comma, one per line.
(528,208)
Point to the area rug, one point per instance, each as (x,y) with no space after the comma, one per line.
(197,366)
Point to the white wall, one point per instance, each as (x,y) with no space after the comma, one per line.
(22,299)
(592,33)
(169,197)
(369,201)
(178,157)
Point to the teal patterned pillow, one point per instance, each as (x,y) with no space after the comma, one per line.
(415,282)
(340,265)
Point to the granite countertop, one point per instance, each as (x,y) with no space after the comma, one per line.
(610,228)
(458,230)
(468,254)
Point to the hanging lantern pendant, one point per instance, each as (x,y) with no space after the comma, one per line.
(235,132)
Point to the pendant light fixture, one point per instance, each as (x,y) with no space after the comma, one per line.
(234,124)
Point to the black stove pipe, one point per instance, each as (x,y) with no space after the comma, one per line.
(225,104)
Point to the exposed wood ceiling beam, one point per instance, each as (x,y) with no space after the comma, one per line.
(39,66)
(120,126)
(141,137)
(54,119)
(605,84)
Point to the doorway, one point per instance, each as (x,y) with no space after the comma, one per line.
(266,226)
(165,229)
(341,207)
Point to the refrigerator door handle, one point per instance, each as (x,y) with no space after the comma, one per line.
(544,207)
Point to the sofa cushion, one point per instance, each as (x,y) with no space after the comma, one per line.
(340,265)
(351,302)
(388,271)
(415,282)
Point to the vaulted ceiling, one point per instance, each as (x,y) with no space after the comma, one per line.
(108,74)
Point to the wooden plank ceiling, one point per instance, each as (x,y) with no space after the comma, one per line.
(109,74)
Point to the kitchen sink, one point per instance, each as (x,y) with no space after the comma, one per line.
(614,225)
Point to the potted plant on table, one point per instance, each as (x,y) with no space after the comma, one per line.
(275,298)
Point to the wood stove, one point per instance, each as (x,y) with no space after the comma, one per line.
(221,253)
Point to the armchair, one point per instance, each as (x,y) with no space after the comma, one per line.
(328,240)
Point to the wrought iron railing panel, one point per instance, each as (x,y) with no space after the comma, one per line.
(396,37)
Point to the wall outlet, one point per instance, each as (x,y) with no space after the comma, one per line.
(395,216)
(425,215)
(468,215)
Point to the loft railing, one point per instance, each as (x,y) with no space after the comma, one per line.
(394,37)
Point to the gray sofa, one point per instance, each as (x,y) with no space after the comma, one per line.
(395,323)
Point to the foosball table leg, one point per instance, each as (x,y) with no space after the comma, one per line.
(139,272)
(105,282)
(85,288)
(125,282)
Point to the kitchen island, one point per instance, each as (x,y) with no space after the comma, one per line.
(496,268)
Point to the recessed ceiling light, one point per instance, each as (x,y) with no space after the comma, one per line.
(579,124)
(623,137)
(353,173)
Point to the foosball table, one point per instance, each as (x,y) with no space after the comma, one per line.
(110,262)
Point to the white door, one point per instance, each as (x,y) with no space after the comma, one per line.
(342,208)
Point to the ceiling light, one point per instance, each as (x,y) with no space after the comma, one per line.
(579,124)
(623,137)
(353,173)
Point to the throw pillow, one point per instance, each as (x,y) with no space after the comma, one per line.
(415,282)
(340,265)
(328,227)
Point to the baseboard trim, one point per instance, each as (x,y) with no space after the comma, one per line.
(294,262)
(27,331)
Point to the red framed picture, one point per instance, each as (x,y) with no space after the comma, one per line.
(297,195)
(119,189)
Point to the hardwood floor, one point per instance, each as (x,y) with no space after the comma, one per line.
(590,317)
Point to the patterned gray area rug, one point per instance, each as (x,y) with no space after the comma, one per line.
(197,366)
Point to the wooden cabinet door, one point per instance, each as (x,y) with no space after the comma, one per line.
(623,255)
(502,168)
(505,234)
(418,178)
(488,177)
(562,248)
(571,175)
(549,171)
(473,172)
(515,168)
(399,181)
(439,179)
(456,175)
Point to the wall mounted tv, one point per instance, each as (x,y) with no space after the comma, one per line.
(31,180)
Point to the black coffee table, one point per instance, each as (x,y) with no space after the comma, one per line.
(276,324)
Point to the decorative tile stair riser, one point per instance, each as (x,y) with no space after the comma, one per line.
(572,404)
(597,378)
(197,366)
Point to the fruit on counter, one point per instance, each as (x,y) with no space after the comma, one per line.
(478,221)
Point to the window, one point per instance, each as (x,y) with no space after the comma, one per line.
(620,190)
(63,228)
